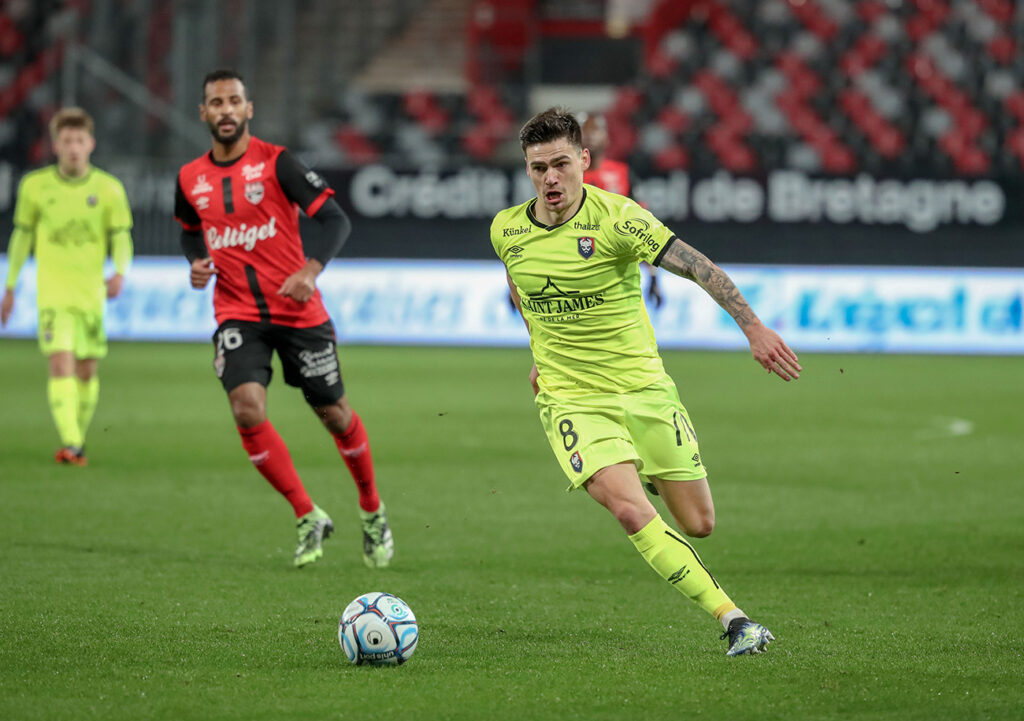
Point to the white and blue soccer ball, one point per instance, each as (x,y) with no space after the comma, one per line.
(379,629)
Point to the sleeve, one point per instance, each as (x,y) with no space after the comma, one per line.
(184,212)
(121,251)
(637,234)
(300,184)
(26,209)
(119,211)
(334,229)
(20,245)
(119,225)
(17,252)
(193,245)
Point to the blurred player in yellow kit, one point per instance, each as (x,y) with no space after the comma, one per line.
(612,415)
(71,215)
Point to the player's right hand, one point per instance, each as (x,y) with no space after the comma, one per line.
(201,272)
(6,307)
(534,375)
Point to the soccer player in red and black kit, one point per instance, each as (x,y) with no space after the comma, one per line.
(611,175)
(239,209)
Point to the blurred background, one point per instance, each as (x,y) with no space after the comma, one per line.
(863,138)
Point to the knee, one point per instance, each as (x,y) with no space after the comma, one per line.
(337,417)
(248,412)
(632,516)
(700,526)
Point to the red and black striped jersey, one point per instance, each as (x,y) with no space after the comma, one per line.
(248,213)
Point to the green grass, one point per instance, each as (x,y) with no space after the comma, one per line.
(885,554)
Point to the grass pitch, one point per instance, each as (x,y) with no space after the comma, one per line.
(870,514)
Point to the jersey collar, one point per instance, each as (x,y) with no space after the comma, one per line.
(80,180)
(229,163)
(533,218)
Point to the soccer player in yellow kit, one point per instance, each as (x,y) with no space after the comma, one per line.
(70,214)
(611,413)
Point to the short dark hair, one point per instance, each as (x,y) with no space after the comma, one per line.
(552,124)
(221,74)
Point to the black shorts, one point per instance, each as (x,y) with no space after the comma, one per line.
(309,357)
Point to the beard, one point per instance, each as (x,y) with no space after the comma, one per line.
(239,131)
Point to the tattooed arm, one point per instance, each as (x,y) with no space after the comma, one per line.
(766,345)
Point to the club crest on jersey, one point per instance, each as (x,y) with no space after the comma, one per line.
(585,247)
(91,201)
(254,192)
(201,186)
(203,202)
(576,460)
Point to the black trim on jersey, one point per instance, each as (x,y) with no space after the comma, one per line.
(225,189)
(333,230)
(661,253)
(193,246)
(300,184)
(183,209)
(533,218)
(257,294)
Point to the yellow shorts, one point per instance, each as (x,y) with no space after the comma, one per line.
(64,329)
(649,427)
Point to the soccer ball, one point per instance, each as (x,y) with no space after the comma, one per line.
(379,629)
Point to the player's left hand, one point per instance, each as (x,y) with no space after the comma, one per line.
(772,353)
(115,284)
(300,285)
(654,293)
(6,307)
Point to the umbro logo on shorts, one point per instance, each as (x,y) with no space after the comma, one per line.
(696,458)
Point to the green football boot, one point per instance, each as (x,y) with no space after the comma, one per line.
(745,636)
(313,527)
(378,545)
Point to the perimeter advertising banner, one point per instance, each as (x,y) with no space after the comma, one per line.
(782,217)
(900,310)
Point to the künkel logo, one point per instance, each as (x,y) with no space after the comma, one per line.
(585,246)
(242,235)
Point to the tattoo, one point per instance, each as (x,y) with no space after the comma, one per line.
(686,261)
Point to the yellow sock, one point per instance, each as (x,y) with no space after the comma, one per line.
(675,560)
(88,395)
(63,396)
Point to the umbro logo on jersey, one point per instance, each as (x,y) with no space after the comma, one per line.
(515,252)
(253,172)
(201,186)
(585,246)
